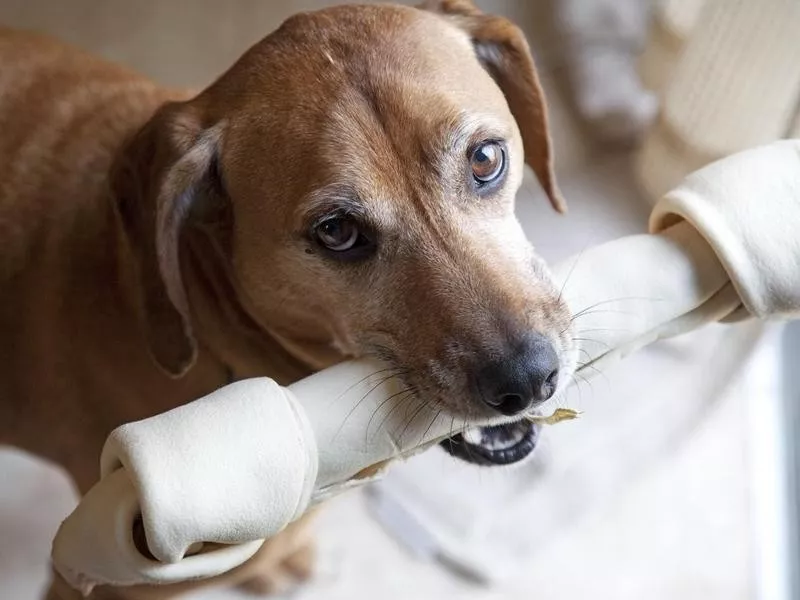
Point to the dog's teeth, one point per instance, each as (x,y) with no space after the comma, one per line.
(473,436)
(504,438)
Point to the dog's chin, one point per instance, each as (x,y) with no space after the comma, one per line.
(494,445)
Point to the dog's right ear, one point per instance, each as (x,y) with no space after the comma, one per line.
(161,175)
(502,49)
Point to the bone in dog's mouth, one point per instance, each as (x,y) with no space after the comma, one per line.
(495,444)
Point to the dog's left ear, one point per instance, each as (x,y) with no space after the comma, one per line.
(502,49)
(163,173)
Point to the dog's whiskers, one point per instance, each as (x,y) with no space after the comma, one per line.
(591,308)
(433,420)
(422,406)
(407,390)
(569,275)
(410,395)
(592,341)
(382,381)
(365,378)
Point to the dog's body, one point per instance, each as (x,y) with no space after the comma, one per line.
(73,360)
(102,321)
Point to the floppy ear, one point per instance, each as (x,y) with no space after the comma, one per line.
(503,50)
(160,177)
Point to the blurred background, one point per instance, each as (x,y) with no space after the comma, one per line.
(678,480)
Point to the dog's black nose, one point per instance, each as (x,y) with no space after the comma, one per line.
(526,376)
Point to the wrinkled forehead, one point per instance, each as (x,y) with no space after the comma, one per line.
(421,59)
(370,97)
(408,104)
(391,60)
(402,134)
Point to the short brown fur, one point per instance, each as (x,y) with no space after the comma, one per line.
(155,247)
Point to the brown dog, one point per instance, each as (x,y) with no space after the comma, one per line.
(346,188)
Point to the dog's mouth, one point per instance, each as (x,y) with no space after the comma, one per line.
(494,445)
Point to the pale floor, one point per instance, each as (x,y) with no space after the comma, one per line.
(679,530)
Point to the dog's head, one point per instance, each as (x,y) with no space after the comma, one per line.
(364,161)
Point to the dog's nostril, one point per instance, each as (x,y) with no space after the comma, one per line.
(511,404)
(548,388)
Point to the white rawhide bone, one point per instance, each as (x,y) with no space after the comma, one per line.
(212,479)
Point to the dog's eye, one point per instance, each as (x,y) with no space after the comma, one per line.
(487,162)
(338,234)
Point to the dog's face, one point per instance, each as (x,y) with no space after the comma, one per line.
(368,158)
